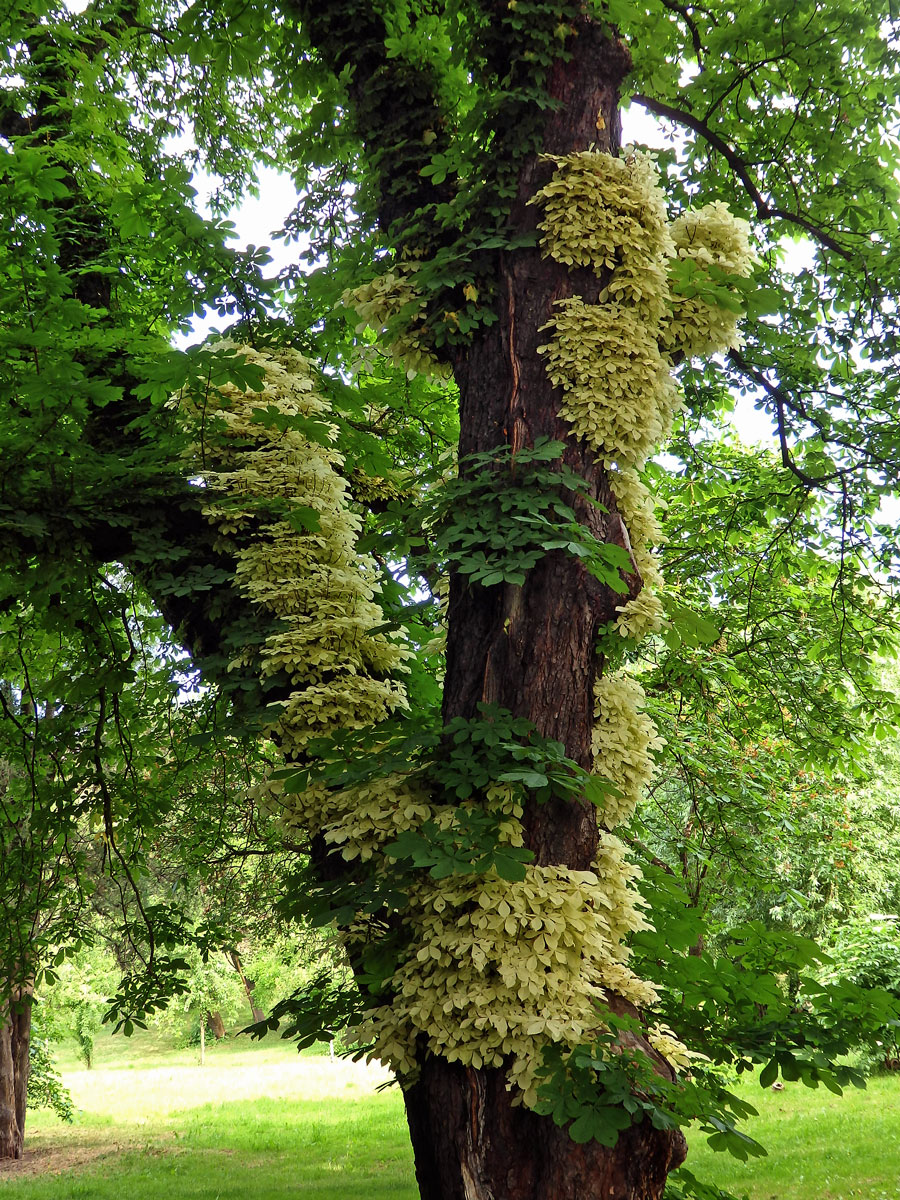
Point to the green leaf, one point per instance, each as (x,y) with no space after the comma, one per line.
(768,1074)
(304,519)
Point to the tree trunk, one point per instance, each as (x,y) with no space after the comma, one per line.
(249,985)
(472,1144)
(15,1037)
(528,649)
(216,1025)
(531,650)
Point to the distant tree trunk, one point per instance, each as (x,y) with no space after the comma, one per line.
(216,1025)
(258,1014)
(15,1037)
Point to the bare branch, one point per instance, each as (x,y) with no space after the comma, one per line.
(764,211)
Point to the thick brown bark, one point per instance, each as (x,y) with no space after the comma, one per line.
(489,1150)
(531,649)
(15,1038)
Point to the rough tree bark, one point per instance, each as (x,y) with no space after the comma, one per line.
(531,649)
(15,1010)
(15,1038)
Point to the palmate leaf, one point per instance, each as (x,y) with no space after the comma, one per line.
(602,1124)
(317,1012)
(682,1184)
(470,846)
(506,511)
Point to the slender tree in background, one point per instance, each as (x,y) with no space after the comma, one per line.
(117,812)
(464,188)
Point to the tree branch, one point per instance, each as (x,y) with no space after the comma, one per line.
(764,210)
(782,402)
(395,105)
(692,25)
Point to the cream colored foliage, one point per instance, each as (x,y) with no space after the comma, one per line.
(711,235)
(623,742)
(708,237)
(606,212)
(380,305)
(362,818)
(314,582)
(504,969)
(645,614)
(612,359)
(618,393)
(636,504)
(664,1042)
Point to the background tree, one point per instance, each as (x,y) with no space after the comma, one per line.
(766,688)
(107,769)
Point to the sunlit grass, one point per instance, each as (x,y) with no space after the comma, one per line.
(821,1146)
(259,1122)
(256,1121)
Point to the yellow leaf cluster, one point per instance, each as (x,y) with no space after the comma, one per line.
(608,213)
(664,1042)
(498,969)
(503,969)
(644,615)
(623,742)
(612,359)
(392,302)
(314,584)
(618,392)
(362,818)
(708,237)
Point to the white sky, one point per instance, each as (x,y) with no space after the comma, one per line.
(258,218)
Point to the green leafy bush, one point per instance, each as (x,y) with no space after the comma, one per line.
(866,954)
(45,1086)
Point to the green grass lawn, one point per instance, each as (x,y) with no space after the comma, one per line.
(821,1147)
(259,1122)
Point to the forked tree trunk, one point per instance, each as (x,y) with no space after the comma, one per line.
(531,649)
(15,1038)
